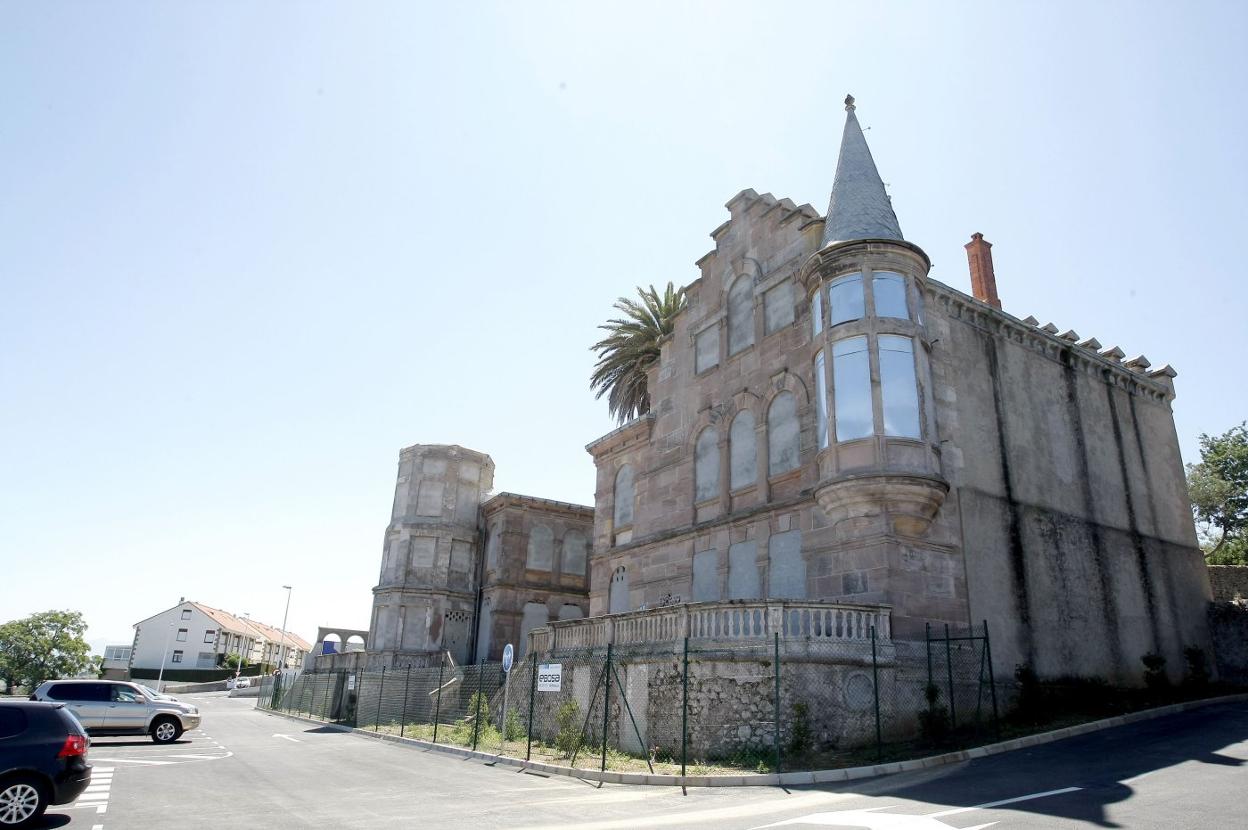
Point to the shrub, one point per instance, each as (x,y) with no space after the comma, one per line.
(1197,676)
(801,738)
(934,721)
(513,729)
(568,721)
(1155,671)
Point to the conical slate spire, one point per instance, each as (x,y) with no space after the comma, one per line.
(859,208)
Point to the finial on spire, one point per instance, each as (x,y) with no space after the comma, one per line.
(849,103)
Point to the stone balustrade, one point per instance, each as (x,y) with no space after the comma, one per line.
(733,621)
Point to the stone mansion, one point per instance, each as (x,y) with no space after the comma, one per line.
(831,425)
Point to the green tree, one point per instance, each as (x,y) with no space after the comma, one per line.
(1218,487)
(631,347)
(42,647)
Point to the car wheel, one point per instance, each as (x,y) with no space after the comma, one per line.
(166,730)
(22,801)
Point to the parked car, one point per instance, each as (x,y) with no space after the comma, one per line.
(242,683)
(43,760)
(114,707)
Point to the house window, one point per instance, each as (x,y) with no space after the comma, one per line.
(706,465)
(889,292)
(617,600)
(740,314)
(898,390)
(706,349)
(186,613)
(177,656)
(851,384)
(816,312)
(782,434)
(210,636)
(624,495)
(742,454)
(821,394)
(181,635)
(845,299)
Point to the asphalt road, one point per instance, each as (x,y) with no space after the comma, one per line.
(251,768)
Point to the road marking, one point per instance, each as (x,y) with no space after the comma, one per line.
(287,737)
(136,761)
(989,805)
(200,757)
(683,819)
(873,818)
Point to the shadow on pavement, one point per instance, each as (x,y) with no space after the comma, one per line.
(1101,764)
(51,820)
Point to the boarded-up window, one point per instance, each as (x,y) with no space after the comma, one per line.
(706,349)
(492,546)
(624,496)
(740,314)
(571,612)
(743,571)
(742,452)
(535,616)
(706,465)
(422,549)
(778,307)
(574,553)
(461,556)
(782,434)
(541,548)
(618,600)
(429,499)
(706,576)
(787,569)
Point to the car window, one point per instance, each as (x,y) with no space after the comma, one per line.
(124,694)
(12,721)
(79,692)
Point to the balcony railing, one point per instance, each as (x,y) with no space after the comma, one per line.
(734,620)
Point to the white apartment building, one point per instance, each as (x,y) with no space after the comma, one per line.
(193,636)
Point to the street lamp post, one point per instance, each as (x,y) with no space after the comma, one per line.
(165,656)
(282,648)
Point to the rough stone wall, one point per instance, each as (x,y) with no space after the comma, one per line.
(511,585)
(1228,582)
(1228,625)
(1079,544)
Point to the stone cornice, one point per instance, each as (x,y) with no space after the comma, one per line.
(505,500)
(956,305)
(635,430)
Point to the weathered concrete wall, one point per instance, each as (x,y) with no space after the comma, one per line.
(1228,582)
(1079,544)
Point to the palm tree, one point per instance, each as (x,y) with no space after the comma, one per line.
(631,347)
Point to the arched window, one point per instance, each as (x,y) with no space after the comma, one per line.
(706,465)
(845,298)
(574,553)
(541,548)
(741,451)
(492,546)
(618,599)
(782,434)
(624,496)
(740,314)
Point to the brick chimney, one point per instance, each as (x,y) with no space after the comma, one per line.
(983,280)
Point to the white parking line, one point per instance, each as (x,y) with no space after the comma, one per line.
(136,761)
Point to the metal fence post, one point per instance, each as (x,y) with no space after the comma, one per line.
(928,637)
(476,718)
(437,709)
(606,708)
(684,711)
(776,712)
(329,680)
(953,713)
(528,749)
(403,717)
(380,691)
(875,684)
(992,683)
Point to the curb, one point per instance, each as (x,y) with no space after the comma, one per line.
(784,779)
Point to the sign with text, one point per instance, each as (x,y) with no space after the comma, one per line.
(550,677)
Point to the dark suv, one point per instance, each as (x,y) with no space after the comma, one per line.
(43,760)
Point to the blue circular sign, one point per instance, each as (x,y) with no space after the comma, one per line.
(508,657)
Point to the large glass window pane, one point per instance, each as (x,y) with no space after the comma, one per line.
(821,393)
(898,390)
(845,296)
(851,387)
(890,295)
(816,311)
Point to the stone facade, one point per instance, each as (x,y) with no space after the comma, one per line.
(830,423)
(465,573)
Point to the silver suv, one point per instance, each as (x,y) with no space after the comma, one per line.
(112,707)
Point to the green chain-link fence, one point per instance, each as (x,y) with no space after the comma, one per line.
(688,707)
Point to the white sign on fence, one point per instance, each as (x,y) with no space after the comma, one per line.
(350,681)
(550,677)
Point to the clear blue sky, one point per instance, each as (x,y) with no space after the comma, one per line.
(249,251)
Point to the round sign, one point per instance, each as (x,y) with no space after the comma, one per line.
(508,657)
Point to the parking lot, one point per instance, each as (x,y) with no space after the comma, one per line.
(247,767)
